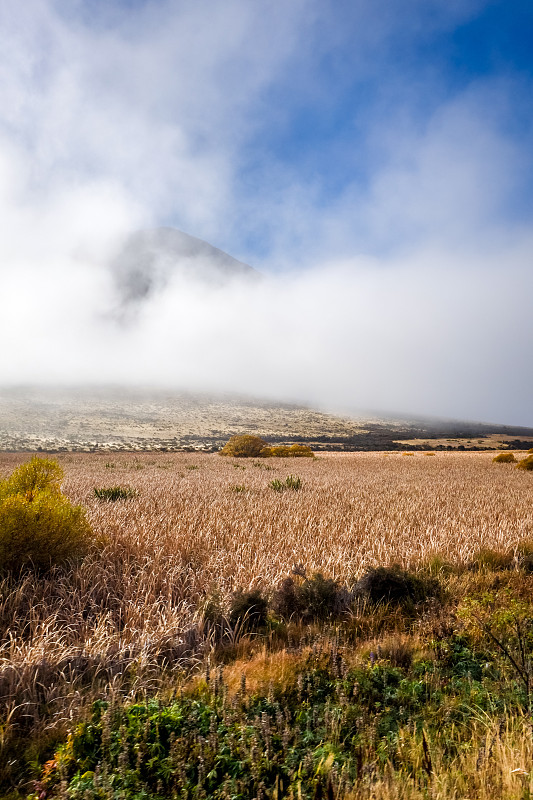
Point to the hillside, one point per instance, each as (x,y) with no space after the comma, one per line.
(77,419)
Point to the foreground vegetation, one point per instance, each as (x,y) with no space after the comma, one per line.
(256,643)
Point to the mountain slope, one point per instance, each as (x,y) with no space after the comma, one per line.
(134,419)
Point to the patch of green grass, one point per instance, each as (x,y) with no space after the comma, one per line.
(291,482)
(113,493)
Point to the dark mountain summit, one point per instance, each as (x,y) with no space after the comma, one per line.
(148,260)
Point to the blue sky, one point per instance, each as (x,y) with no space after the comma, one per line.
(242,122)
(372,158)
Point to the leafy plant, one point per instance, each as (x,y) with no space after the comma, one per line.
(39,526)
(526,463)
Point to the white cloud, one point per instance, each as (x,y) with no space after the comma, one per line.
(407,290)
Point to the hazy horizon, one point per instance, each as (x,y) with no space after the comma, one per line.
(372,161)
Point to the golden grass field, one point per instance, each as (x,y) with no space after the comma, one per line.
(188,531)
(202,524)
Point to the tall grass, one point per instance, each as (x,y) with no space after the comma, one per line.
(126,619)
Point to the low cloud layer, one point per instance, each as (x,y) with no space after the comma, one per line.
(403,284)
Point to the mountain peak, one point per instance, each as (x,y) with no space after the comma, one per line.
(149,259)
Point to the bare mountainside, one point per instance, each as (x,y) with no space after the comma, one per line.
(55,420)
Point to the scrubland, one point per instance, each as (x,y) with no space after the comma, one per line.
(415,699)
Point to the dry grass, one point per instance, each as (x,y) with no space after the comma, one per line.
(125,615)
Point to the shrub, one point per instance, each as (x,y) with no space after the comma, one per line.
(291,482)
(248,610)
(294,451)
(247,446)
(526,463)
(524,555)
(395,585)
(39,526)
(244,446)
(504,458)
(488,559)
(114,493)
(313,598)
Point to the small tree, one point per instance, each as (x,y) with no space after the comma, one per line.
(39,526)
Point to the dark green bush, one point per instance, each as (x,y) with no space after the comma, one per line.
(39,526)
(524,555)
(248,610)
(314,598)
(492,560)
(396,586)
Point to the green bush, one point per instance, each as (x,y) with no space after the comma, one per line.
(524,555)
(39,526)
(491,560)
(396,586)
(504,458)
(526,463)
(248,610)
(114,493)
(314,598)
(245,446)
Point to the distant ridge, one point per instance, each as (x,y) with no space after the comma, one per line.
(112,419)
(149,259)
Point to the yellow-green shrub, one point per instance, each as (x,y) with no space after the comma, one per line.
(244,446)
(504,458)
(294,451)
(526,463)
(247,446)
(39,526)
